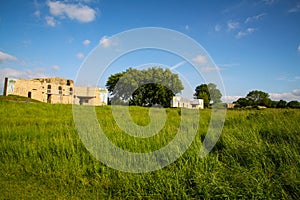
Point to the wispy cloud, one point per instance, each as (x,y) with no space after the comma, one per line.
(106,42)
(296,92)
(229,65)
(269,2)
(231,25)
(288,96)
(210,69)
(200,59)
(299,48)
(187,27)
(295,9)
(218,28)
(80,56)
(288,78)
(7,57)
(177,65)
(254,18)
(27,73)
(55,68)
(79,12)
(241,34)
(37,12)
(50,21)
(86,42)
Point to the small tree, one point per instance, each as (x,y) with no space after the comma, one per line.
(208,93)
(281,104)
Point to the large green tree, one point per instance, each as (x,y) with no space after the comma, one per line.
(255,98)
(209,93)
(144,87)
(259,98)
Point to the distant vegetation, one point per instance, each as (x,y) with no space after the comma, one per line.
(42,156)
(259,98)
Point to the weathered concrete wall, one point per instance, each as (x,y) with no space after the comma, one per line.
(56,90)
(90,96)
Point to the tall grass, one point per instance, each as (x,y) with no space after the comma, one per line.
(42,156)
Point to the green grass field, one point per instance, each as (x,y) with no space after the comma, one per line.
(42,156)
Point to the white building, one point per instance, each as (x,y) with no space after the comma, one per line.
(181,102)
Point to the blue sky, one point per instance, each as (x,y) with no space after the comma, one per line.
(255,44)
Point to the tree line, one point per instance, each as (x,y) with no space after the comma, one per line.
(259,98)
(157,86)
(154,86)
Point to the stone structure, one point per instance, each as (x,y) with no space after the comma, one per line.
(55,90)
(181,102)
(230,105)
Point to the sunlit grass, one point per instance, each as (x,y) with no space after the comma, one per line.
(41,156)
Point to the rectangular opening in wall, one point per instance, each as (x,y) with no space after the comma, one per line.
(29,95)
(60,90)
(49,98)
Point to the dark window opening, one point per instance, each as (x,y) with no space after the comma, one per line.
(59,89)
(71,91)
(68,82)
(49,89)
(29,95)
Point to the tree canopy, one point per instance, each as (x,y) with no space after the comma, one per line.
(144,87)
(255,98)
(209,93)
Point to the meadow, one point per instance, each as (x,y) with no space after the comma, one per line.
(42,156)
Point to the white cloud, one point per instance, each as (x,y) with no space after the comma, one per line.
(80,56)
(244,33)
(50,21)
(79,12)
(13,73)
(295,9)
(55,67)
(200,59)
(299,48)
(286,96)
(105,42)
(232,25)
(296,92)
(7,57)
(86,42)
(218,27)
(254,18)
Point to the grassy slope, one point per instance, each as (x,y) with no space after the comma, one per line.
(16,98)
(41,156)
